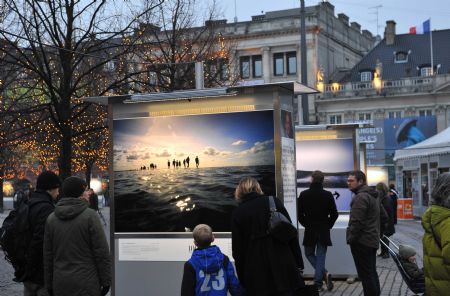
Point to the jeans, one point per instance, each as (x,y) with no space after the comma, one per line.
(316,255)
(32,289)
(366,265)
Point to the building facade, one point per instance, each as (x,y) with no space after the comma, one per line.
(267,48)
(404,95)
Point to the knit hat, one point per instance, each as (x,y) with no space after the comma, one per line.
(406,251)
(48,180)
(73,187)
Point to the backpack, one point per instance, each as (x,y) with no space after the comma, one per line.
(279,226)
(15,237)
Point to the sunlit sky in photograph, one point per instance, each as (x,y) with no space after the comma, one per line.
(219,140)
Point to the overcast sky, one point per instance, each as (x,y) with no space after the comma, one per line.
(405,13)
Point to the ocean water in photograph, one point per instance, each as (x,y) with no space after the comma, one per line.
(177,199)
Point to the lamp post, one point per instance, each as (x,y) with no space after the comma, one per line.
(304,98)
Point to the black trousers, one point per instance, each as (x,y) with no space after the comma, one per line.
(384,250)
(366,265)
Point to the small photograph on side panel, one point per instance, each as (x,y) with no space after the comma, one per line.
(172,173)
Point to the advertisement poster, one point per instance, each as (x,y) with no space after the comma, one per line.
(288,164)
(391,134)
(172,173)
(334,157)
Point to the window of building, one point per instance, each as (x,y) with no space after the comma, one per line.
(278,64)
(109,66)
(335,119)
(245,67)
(291,63)
(401,57)
(394,114)
(426,71)
(224,70)
(257,65)
(366,76)
(365,116)
(426,112)
(152,77)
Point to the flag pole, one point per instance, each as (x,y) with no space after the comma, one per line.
(431,49)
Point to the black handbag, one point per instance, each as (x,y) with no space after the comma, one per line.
(279,226)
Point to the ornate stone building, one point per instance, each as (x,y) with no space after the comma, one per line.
(268,47)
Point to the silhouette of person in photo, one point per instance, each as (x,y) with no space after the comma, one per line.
(197,161)
(173,163)
(168,164)
(187,161)
(287,130)
(184,162)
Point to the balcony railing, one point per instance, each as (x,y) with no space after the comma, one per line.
(388,88)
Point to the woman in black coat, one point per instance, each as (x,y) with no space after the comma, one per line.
(264,265)
(389,228)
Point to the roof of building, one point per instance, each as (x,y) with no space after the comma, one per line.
(417,47)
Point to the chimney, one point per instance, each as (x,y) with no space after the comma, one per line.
(343,17)
(355,26)
(389,32)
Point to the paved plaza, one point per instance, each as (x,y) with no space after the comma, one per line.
(407,232)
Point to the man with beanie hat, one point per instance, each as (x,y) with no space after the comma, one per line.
(76,253)
(408,260)
(40,205)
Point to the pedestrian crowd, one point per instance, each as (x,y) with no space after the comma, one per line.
(67,252)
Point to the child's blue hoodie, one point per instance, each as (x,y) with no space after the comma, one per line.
(211,273)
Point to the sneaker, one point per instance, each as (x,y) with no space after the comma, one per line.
(329,281)
(350,280)
(320,288)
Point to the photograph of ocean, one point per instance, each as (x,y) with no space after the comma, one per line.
(172,173)
(335,158)
(177,200)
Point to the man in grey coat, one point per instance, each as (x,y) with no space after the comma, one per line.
(76,253)
(363,231)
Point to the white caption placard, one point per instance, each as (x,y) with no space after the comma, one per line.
(163,249)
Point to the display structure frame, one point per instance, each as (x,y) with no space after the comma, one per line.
(136,271)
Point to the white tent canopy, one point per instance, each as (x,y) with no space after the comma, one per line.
(438,144)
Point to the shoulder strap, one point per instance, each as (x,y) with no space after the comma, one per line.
(272,206)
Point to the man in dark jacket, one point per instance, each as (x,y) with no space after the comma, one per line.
(363,231)
(41,204)
(76,253)
(317,213)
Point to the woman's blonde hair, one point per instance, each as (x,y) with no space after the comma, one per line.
(246,186)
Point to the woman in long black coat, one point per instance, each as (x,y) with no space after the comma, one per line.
(264,265)
(389,228)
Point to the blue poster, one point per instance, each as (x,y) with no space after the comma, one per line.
(391,134)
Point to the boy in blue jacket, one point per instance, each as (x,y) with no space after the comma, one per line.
(208,272)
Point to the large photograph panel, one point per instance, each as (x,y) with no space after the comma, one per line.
(335,158)
(172,173)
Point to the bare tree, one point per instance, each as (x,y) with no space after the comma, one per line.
(174,37)
(64,50)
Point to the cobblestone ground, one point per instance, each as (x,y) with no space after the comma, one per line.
(407,232)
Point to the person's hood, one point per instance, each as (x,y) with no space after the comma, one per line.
(208,259)
(364,188)
(38,196)
(69,208)
(406,251)
(434,216)
(249,196)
